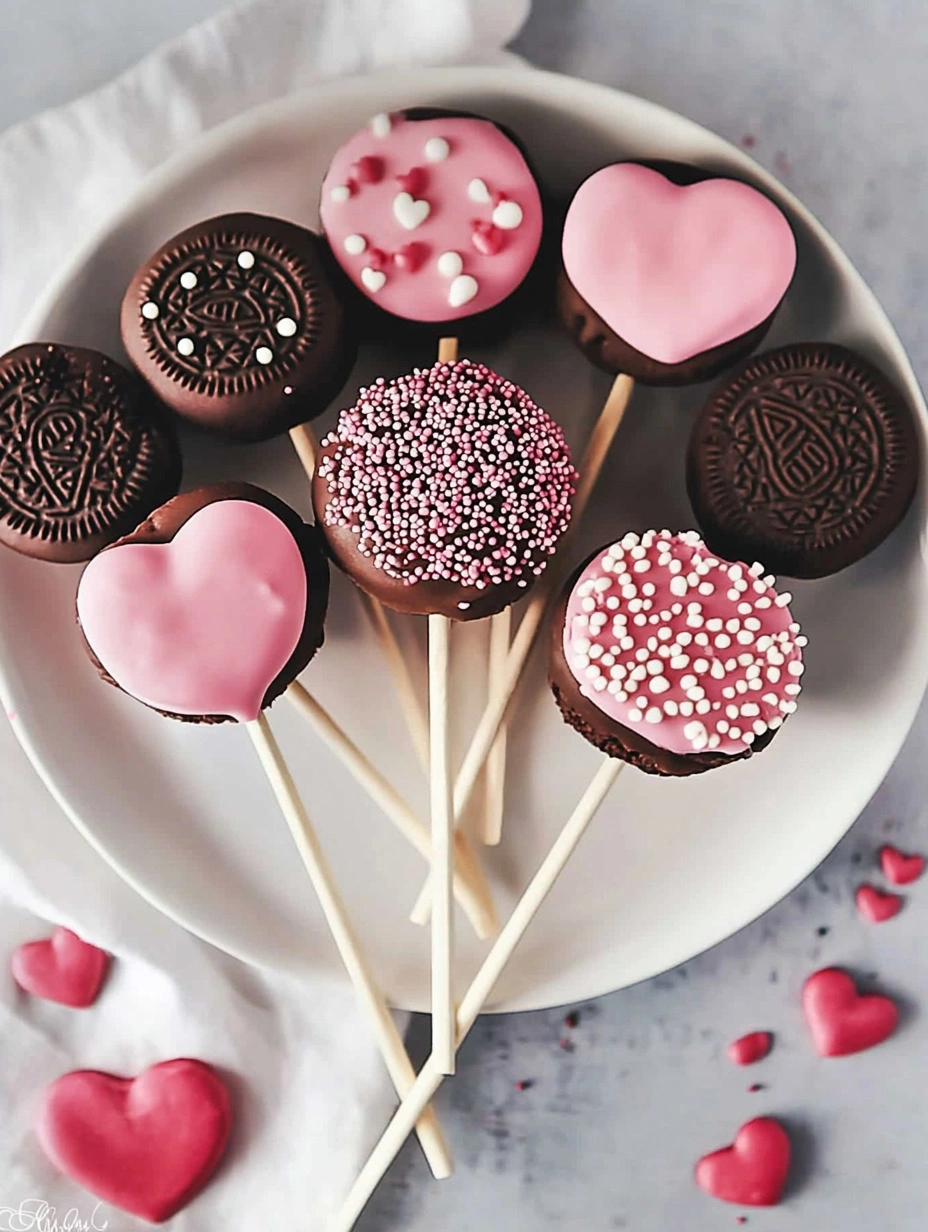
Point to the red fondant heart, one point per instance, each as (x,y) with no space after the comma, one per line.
(413,182)
(750,1048)
(899,868)
(487,238)
(876,906)
(842,1021)
(147,1144)
(62,968)
(376,258)
(368,170)
(752,1171)
(412,257)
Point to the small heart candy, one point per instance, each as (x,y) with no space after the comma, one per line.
(753,1170)
(478,192)
(507,214)
(413,181)
(373,279)
(877,906)
(146,1144)
(369,169)
(63,968)
(750,1048)
(408,212)
(462,290)
(487,238)
(411,257)
(376,258)
(899,868)
(841,1021)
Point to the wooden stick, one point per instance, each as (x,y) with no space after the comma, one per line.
(543,593)
(442,813)
(470,887)
(447,350)
(495,773)
(392,1049)
(430,1076)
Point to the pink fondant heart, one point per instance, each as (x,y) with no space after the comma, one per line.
(487,238)
(205,623)
(899,868)
(146,1144)
(877,906)
(368,170)
(842,1021)
(413,181)
(676,271)
(62,968)
(750,1048)
(752,1171)
(412,257)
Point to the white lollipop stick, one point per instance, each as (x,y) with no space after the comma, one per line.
(430,1076)
(442,813)
(391,1045)
(491,822)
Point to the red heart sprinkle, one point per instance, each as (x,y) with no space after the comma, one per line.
(842,1021)
(750,1048)
(413,181)
(376,258)
(62,968)
(369,169)
(752,1171)
(899,868)
(146,1144)
(877,906)
(487,238)
(411,257)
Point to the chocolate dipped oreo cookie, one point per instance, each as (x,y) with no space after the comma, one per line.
(236,326)
(85,452)
(670,274)
(806,460)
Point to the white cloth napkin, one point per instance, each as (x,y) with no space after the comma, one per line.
(309,1089)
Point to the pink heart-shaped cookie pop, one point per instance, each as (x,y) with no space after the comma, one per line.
(61,968)
(204,624)
(146,1144)
(675,271)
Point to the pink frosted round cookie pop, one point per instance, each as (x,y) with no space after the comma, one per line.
(667,657)
(434,216)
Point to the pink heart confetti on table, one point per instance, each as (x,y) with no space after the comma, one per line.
(876,905)
(750,1048)
(61,968)
(753,1170)
(840,1019)
(899,868)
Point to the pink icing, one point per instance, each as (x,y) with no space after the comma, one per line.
(203,624)
(455,218)
(676,271)
(692,652)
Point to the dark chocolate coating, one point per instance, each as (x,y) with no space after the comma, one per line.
(607,350)
(614,739)
(243,377)
(85,452)
(164,523)
(805,460)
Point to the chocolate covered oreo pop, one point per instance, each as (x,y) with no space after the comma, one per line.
(85,452)
(236,326)
(667,657)
(806,459)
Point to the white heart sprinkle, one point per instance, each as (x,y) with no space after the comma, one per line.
(462,290)
(373,279)
(150,311)
(437,149)
(286,327)
(264,355)
(355,244)
(478,191)
(450,264)
(340,193)
(246,259)
(408,212)
(188,280)
(381,124)
(185,346)
(507,215)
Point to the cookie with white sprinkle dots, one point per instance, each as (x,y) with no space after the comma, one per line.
(236,325)
(672,659)
(444,491)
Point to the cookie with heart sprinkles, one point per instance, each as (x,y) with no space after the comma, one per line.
(670,274)
(85,452)
(211,607)
(806,460)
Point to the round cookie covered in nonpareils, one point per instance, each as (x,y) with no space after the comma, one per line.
(671,274)
(85,451)
(211,607)
(665,656)
(235,324)
(806,459)
(444,491)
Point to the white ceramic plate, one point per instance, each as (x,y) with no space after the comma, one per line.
(669,867)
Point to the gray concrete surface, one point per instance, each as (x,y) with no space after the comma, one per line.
(831,95)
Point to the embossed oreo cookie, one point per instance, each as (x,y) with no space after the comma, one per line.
(235,324)
(85,452)
(806,460)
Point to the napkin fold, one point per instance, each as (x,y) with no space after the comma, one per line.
(308,1086)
